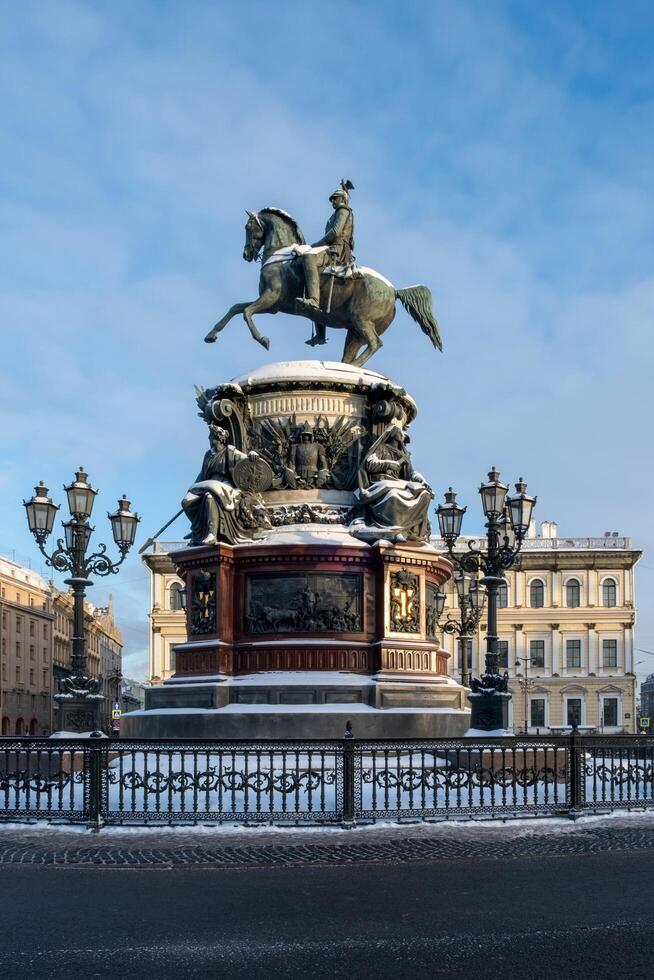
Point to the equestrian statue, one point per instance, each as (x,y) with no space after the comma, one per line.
(323,283)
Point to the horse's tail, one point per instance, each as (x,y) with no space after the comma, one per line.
(416,300)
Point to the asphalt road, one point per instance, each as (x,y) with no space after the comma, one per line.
(562,916)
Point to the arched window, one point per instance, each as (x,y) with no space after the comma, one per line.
(536,594)
(20,726)
(33,726)
(573,593)
(5,725)
(609,592)
(175,601)
(502,596)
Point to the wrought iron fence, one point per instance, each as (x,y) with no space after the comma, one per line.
(98,781)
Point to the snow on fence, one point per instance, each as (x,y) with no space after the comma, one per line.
(99,781)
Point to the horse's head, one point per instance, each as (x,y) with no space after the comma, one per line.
(255,234)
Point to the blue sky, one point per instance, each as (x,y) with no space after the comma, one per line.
(501,154)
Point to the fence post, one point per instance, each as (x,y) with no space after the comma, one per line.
(348,777)
(575,774)
(97,760)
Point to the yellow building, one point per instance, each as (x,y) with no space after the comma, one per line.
(565,627)
(167,618)
(566,621)
(26,619)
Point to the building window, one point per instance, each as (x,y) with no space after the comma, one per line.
(574,711)
(468,647)
(609,653)
(4,618)
(609,592)
(31,677)
(537,653)
(32,627)
(175,600)
(32,652)
(537,594)
(610,712)
(503,651)
(537,714)
(19,624)
(18,675)
(45,631)
(45,678)
(572,593)
(572,654)
(502,596)
(18,650)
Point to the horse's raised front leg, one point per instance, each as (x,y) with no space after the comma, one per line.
(232,311)
(265,301)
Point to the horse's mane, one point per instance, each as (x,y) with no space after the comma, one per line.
(285,216)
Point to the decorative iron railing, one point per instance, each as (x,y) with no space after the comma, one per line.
(98,781)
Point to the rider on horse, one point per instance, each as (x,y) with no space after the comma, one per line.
(333,250)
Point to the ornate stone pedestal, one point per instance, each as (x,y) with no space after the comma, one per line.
(326,613)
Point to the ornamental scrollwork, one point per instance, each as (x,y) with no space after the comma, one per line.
(258,781)
(448,778)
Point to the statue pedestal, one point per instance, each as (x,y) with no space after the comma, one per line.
(322,607)
(298,635)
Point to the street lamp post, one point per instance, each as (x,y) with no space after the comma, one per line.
(526,684)
(507,523)
(470,597)
(79,696)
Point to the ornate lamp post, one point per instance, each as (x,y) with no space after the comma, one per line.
(79,695)
(471,597)
(507,523)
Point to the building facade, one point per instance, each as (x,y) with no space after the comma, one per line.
(26,631)
(566,620)
(104,649)
(36,629)
(110,645)
(565,627)
(647,699)
(133,695)
(167,618)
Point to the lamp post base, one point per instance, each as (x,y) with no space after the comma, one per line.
(490,710)
(78,714)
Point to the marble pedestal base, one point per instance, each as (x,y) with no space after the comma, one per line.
(302,704)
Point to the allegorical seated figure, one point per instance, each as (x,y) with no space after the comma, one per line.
(217,509)
(394,498)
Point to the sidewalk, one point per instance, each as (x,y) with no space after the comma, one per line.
(276,847)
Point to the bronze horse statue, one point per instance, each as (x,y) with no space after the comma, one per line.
(363,304)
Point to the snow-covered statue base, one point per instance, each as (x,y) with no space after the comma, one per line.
(310,581)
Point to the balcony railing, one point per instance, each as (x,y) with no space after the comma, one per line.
(98,781)
(551,544)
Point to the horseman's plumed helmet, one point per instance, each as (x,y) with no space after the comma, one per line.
(343,192)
